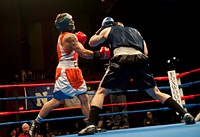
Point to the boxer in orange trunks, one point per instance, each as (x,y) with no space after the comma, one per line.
(69,81)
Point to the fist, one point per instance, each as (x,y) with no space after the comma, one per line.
(81,37)
(104,53)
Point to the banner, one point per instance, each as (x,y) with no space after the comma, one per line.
(174,86)
(37,103)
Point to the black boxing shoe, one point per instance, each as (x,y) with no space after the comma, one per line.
(34,128)
(189,119)
(91,129)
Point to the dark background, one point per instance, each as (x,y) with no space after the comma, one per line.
(28,38)
(28,35)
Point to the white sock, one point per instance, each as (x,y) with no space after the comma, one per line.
(39,119)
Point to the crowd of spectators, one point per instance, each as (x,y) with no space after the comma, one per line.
(105,122)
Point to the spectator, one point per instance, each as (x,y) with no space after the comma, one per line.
(119,121)
(18,132)
(14,133)
(16,79)
(76,127)
(124,122)
(29,77)
(47,130)
(108,121)
(150,120)
(39,135)
(101,125)
(25,130)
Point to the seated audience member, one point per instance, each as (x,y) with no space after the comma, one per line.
(101,123)
(150,120)
(14,133)
(25,130)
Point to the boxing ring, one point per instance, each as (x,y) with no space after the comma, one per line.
(172,129)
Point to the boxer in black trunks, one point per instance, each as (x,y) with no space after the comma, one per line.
(129,61)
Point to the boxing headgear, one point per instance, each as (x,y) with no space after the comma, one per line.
(64,24)
(107,22)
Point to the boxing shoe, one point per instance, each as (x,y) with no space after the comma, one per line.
(188,118)
(34,128)
(91,129)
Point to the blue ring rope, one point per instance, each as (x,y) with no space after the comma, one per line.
(103,114)
(50,96)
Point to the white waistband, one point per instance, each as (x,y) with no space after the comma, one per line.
(126,51)
(67,64)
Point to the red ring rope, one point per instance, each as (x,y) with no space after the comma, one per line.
(106,105)
(95,82)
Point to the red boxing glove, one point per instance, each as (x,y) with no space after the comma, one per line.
(81,37)
(103,53)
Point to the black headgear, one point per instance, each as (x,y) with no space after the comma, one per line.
(64,24)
